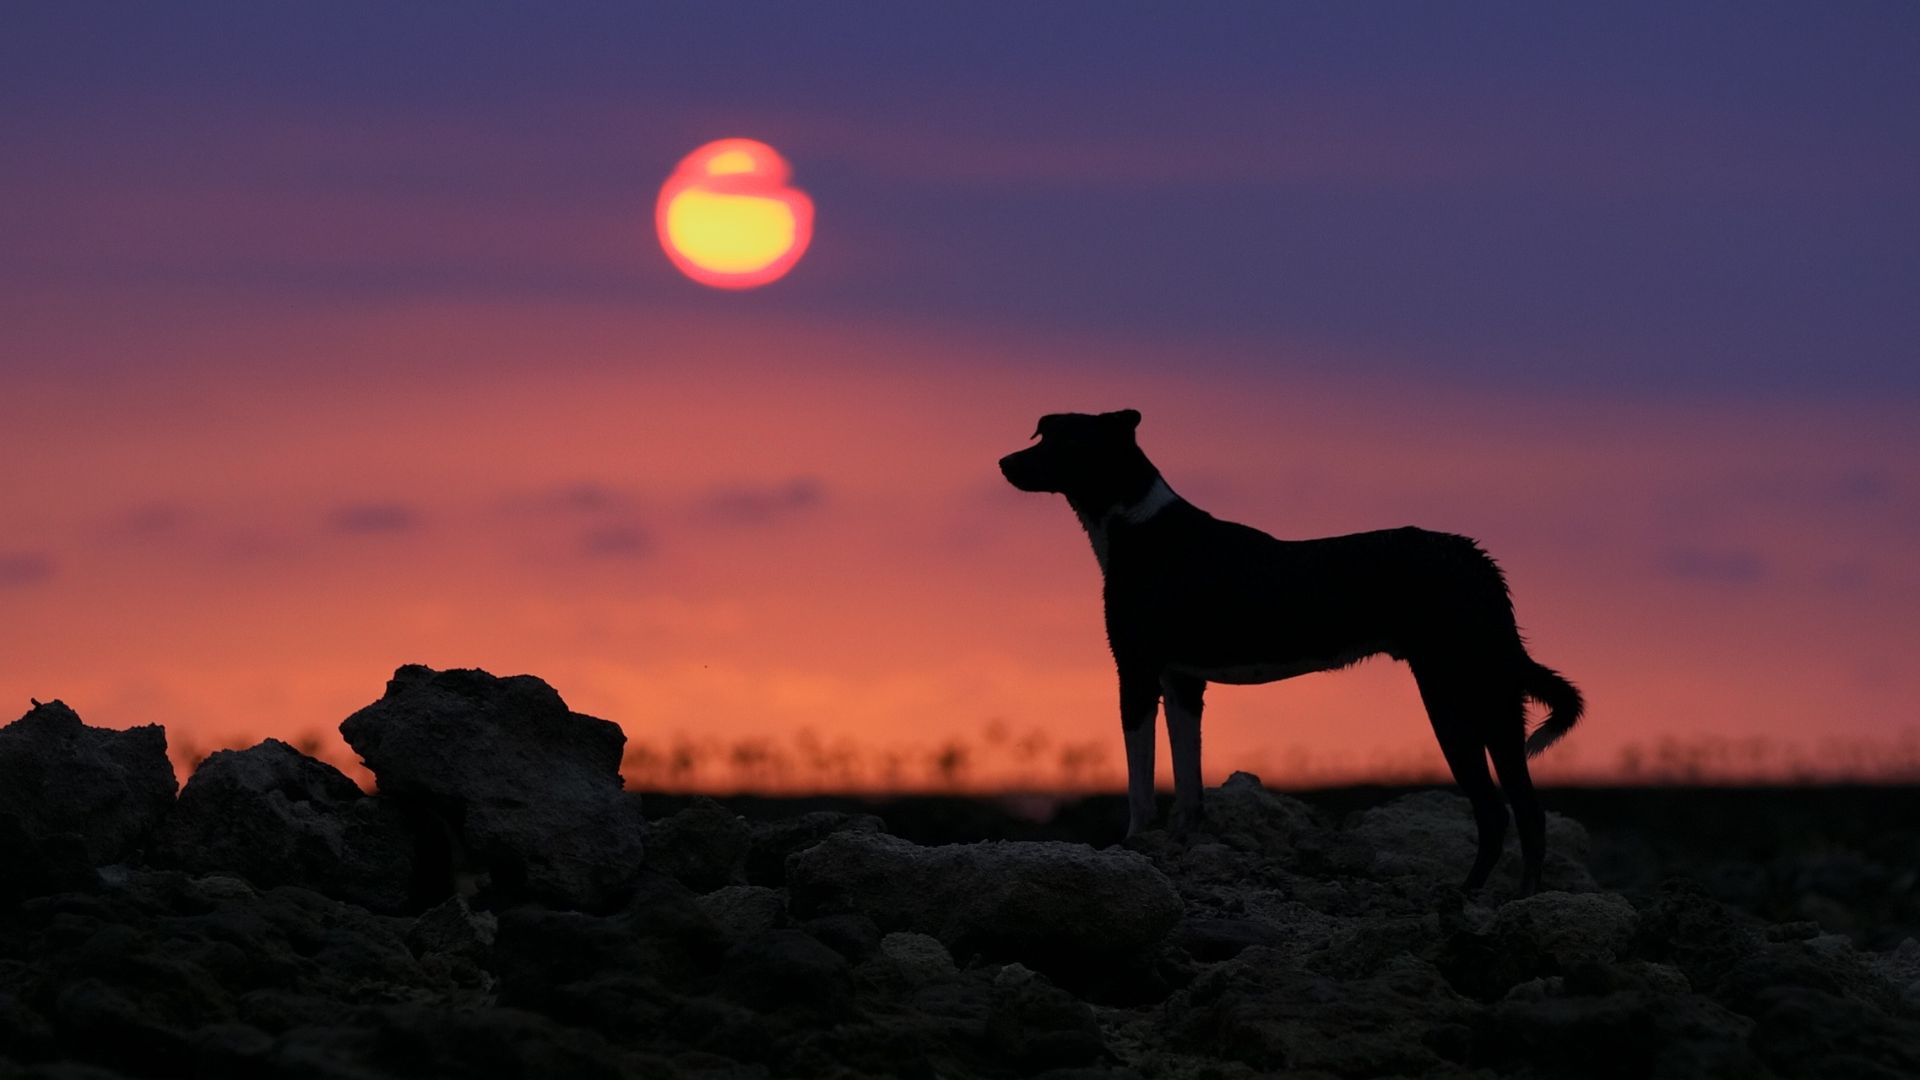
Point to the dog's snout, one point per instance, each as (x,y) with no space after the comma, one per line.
(1020,470)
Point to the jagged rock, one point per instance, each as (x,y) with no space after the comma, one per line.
(852,934)
(1900,968)
(1566,929)
(609,971)
(774,841)
(787,969)
(1248,817)
(704,846)
(278,817)
(1545,936)
(74,797)
(1431,835)
(918,958)
(529,789)
(1009,898)
(1260,1010)
(1663,1037)
(452,927)
(1040,1026)
(1212,939)
(744,910)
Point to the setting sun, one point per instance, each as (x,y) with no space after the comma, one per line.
(727,217)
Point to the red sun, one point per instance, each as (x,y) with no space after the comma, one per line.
(727,217)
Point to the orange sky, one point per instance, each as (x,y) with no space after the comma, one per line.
(789,534)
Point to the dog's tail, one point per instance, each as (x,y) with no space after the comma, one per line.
(1562,699)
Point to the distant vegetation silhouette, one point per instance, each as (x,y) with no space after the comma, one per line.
(1003,759)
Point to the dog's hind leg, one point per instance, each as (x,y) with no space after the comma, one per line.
(1457,724)
(1508,747)
(1183,702)
(1139,701)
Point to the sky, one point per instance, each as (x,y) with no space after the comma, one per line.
(337,336)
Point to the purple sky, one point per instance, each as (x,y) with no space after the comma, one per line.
(1621,199)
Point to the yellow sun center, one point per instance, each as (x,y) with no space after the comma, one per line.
(729,234)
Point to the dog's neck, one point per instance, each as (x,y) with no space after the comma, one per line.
(1099,523)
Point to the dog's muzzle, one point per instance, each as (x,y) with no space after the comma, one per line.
(1020,472)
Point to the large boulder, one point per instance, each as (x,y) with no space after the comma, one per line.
(529,790)
(1030,900)
(1432,835)
(73,797)
(278,817)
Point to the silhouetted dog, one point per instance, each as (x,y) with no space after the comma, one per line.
(1191,599)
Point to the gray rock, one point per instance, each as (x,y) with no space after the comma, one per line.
(1900,968)
(1213,939)
(744,910)
(1268,1014)
(1009,898)
(453,928)
(1248,817)
(1565,929)
(787,969)
(529,789)
(1431,835)
(1039,1026)
(278,817)
(919,958)
(1678,1037)
(774,841)
(77,795)
(703,846)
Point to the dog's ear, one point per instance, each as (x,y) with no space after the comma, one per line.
(1128,419)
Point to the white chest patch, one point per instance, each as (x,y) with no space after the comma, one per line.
(1157,498)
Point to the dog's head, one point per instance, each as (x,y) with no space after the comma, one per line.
(1091,459)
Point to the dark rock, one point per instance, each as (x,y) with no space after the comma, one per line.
(1222,939)
(100,1022)
(1039,1026)
(915,959)
(1248,817)
(774,841)
(1664,1037)
(852,934)
(278,817)
(1431,835)
(40,862)
(409,1040)
(619,974)
(1267,1014)
(788,969)
(453,928)
(73,794)
(231,1050)
(704,846)
(1035,901)
(1545,935)
(744,910)
(529,789)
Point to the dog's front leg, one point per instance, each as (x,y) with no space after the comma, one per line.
(1139,702)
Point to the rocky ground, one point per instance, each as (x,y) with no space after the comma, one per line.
(504,908)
